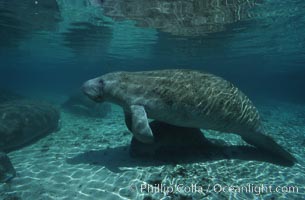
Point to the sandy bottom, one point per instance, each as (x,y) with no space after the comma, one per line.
(88,158)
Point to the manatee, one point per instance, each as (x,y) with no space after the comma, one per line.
(185,98)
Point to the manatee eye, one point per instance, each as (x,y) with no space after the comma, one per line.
(101,82)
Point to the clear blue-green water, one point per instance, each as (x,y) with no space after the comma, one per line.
(48,48)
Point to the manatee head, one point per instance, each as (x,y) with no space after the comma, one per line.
(94,89)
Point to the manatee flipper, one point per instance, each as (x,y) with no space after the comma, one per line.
(139,124)
(266,143)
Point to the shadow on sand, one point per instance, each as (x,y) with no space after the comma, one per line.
(173,145)
(115,158)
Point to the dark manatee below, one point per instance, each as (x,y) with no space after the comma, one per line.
(185,98)
(170,139)
(23,122)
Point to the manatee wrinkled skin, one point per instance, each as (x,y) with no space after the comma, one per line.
(185,98)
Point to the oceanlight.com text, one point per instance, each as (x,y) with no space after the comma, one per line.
(255,189)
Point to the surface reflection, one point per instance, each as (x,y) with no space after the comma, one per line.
(18,19)
(184,18)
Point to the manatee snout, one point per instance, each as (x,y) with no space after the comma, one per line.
(93,88)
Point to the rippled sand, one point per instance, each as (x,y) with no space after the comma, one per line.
(89,158)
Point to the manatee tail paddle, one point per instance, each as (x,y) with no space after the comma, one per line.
(266,143)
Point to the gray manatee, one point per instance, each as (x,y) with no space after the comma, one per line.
(185,98)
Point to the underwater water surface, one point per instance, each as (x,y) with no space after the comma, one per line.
(63,145)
